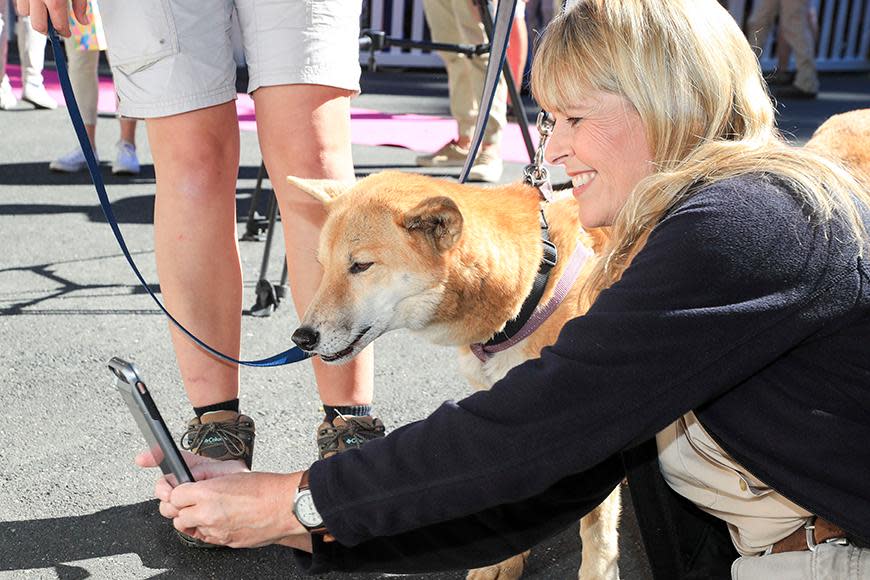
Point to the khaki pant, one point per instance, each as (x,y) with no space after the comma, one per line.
(83,65)
(793,20)
(458,22)
(827,562)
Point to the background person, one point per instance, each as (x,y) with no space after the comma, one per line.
(83,59)
(794,24)
(783,76)
(721,365)
(517,52)
(173,65)
(31,51)
(458,22)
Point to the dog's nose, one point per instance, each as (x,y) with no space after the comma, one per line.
(306,337)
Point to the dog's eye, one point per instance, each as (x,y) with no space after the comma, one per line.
(358,267)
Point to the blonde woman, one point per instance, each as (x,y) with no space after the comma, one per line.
(722,364)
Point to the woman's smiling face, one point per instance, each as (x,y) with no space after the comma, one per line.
(602,144)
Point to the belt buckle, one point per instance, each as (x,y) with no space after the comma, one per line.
(810,528)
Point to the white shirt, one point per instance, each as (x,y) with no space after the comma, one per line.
(696,467)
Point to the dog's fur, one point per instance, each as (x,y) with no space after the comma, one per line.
(846,138)
(454,263)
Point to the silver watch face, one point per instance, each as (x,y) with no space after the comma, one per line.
(305,510)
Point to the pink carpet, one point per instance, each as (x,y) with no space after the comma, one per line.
(422,133)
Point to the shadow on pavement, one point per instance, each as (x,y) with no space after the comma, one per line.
(27,301)
(60,543)
(79,547)
(37,173)
(137,209)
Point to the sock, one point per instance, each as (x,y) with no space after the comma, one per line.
(231,405)
(333,412)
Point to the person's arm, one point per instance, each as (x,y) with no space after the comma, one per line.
(475,540)
(711,300)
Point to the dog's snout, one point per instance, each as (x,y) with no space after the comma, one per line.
(306,337)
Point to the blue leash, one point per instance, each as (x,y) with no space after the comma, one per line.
(295,354)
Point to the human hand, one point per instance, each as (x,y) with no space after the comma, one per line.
(240,510)
(40,10)
(201,468)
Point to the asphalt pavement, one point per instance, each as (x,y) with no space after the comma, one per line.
(72,504)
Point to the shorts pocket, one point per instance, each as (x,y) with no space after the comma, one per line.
(138,32)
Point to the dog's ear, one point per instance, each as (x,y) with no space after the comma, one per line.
(323,190)
(438,219)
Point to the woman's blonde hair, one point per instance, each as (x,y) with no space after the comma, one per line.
(689,71)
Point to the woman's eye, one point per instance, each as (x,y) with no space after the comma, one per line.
(573,121)
(358,267)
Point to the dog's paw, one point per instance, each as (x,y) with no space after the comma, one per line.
(510,569)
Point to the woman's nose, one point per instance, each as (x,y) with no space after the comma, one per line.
(558,148)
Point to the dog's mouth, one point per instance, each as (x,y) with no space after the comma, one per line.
(346,351)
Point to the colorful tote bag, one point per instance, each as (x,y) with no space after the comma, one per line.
(88,36)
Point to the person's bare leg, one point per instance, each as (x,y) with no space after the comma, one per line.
(91,131)
(304,130)
(196,157)
(517,49)
(128,129)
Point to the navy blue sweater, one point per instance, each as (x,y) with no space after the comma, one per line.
(738,307)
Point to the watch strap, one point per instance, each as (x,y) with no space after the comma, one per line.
(304,486)
(303,481)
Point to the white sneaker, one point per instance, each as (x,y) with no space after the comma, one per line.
(38,97)
(126,162)
(487,167)
(72,162)
(7,97)
(451,155)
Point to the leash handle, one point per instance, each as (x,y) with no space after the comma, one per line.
(289,356)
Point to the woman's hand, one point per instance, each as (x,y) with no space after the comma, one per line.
(231,506)
(58,10)
(201,468)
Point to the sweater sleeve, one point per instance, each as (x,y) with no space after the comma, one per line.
(477,539)
(717,294)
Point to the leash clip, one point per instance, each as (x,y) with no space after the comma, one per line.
(535,174)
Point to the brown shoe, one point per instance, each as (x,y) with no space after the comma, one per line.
(347,432)
(222,435)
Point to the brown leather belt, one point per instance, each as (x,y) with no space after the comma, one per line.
(807,537)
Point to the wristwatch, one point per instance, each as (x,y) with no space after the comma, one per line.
(305,510)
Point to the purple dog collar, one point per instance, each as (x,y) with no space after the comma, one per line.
(569,276)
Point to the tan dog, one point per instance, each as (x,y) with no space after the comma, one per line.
(455,264)
(846,137)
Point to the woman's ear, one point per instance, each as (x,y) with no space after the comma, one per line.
(438,219)
(323,190)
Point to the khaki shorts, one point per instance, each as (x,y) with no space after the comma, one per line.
(175,56)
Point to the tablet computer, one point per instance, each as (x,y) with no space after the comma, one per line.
(134,392)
